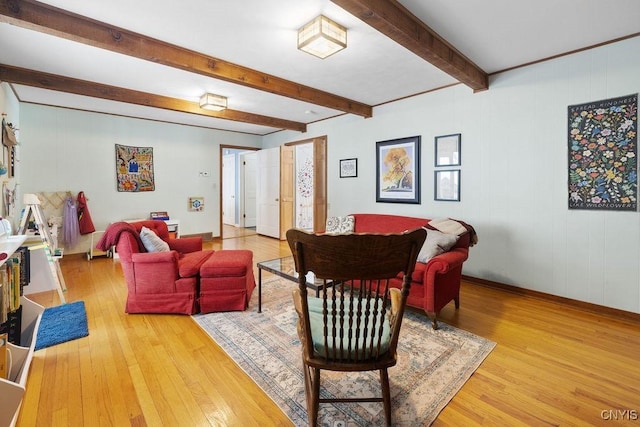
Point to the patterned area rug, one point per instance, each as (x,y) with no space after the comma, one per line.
(432,365)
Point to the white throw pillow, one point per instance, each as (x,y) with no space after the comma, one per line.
(435,244)
(340,224)
(152,242)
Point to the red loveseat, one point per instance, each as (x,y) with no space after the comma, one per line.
(158,282)
(433,284)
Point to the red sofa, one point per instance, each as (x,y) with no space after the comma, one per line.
(158,282)
(433,284)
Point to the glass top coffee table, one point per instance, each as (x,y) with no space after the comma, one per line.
(285,267)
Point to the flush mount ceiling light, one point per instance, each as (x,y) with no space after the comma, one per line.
(322,37)
(212,102)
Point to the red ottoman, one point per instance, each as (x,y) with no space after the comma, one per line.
(226,281)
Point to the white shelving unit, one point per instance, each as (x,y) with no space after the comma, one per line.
(174,226)
(12,389)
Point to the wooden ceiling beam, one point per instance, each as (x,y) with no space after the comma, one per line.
(50,20)
(396,22)
(41,80)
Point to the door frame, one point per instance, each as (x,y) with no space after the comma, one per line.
(320,173)
(319,187)
(220,174)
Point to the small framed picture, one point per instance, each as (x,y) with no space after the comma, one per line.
(348,168)
(447,185)
(196,204)
(448,150)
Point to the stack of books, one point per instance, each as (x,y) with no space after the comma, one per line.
(13,276)
(160,216)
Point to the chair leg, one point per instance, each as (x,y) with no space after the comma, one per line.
(312,391)
(434,320)
(386,394)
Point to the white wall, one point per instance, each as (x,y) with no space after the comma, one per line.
(514,171)
(64,149)
(514,174)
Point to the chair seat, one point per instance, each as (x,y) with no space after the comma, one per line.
(317,333)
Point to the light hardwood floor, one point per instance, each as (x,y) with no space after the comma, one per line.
(553,364)
(231,232)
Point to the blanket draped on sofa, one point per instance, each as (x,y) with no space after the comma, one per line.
(112,234)
(454,226)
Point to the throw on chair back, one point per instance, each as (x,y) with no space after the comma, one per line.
(355,323)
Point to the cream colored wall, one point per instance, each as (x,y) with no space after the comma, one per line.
(514,171)
(514,174)
(73,150)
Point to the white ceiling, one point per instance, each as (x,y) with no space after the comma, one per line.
(261,35)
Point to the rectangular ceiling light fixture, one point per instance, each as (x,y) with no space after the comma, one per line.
(212,102)
(322,37)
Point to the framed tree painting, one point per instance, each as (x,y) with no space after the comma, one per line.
(398,170)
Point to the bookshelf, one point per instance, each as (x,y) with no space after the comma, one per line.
(20,354)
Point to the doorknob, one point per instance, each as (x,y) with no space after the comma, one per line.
(277,200)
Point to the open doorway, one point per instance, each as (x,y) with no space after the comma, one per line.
(237,198)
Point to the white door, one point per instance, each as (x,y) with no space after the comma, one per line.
(248,186)
(229,189)
(268,192)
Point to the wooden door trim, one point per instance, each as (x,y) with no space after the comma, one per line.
(320,180)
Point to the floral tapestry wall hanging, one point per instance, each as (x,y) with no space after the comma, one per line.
(134,168)
(603,167)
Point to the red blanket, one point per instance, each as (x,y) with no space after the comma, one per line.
(112,234)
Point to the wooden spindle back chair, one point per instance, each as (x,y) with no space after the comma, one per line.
(351,328)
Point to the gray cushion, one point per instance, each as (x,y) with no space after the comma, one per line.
(151,241)
(436,243)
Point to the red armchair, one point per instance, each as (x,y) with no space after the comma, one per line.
(157,282)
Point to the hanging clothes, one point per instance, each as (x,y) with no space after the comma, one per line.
(84,217)
(70,225)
